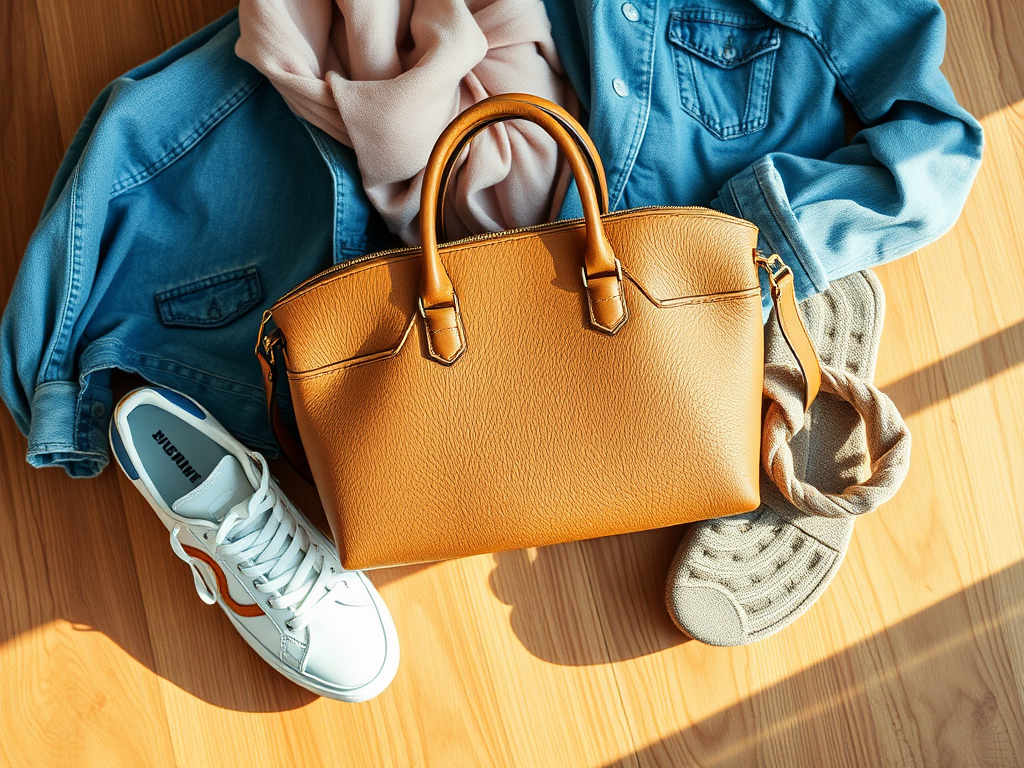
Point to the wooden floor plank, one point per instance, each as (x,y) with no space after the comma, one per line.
(75,653)
(560,656)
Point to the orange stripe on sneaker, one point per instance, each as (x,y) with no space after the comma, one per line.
(222,584)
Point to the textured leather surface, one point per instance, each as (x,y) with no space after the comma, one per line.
(544,429)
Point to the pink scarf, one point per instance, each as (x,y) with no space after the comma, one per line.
(386,76)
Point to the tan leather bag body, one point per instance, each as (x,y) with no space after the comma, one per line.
(558,382)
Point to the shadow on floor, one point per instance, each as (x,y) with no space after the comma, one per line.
(93,555)
(619,592)
(948,670)
(955,373)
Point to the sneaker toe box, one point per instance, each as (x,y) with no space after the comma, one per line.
(347,646)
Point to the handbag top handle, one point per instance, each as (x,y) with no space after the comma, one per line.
(602,272)
(567,121)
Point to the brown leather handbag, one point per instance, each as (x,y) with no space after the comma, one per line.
(545,384)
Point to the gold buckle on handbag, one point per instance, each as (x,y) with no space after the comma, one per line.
(773,265)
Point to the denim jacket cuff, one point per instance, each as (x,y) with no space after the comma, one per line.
(757,195)
(55,405)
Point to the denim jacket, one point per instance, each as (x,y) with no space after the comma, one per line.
(189,201)
(739,104)
(191,198)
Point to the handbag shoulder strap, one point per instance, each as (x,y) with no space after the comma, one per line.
(780,279)
(267,348)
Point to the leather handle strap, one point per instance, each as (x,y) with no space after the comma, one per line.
(582,139)
(780,280)
(602,273)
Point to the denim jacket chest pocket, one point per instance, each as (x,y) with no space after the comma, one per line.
(724,62)
(212,302)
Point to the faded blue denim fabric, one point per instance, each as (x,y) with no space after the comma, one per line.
(738,104)
(189,201)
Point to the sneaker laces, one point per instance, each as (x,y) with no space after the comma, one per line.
(275,550)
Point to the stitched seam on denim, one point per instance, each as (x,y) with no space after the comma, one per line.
(59,348)
(247,277)
(200,321)
(83,420)
(772,203)
(766,91)
(641,127)
(727,18)
(776,212)
(714,57)
(698,102)
(208,282)
(37,448)
(750,92)
(182,147)
(335,207)
(757,123)
(169,365)
(340,204)
(829,61)
(53,383)
(682,60)
(349,240)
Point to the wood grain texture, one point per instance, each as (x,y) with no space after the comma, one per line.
(561,656)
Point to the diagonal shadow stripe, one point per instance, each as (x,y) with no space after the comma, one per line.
(941,687)
(959,371)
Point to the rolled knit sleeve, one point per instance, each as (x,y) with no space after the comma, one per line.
(903,179)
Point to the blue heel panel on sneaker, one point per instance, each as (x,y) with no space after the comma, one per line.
(185,403)
(122,454)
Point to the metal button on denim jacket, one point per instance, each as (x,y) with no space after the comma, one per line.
(738,104)
(188,202)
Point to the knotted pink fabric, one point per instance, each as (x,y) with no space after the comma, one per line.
(386,76)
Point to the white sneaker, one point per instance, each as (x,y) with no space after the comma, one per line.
(273,573)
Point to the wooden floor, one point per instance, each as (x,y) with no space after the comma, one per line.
(562,656)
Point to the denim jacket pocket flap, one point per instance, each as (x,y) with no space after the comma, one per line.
(726,40)
(212,301)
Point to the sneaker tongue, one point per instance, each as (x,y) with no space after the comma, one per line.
(223,488)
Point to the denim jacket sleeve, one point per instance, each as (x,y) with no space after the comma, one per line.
(903,179)
(50,300)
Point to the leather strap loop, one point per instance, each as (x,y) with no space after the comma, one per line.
(601,269)
(780,279)
(582,139)
(292,448)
